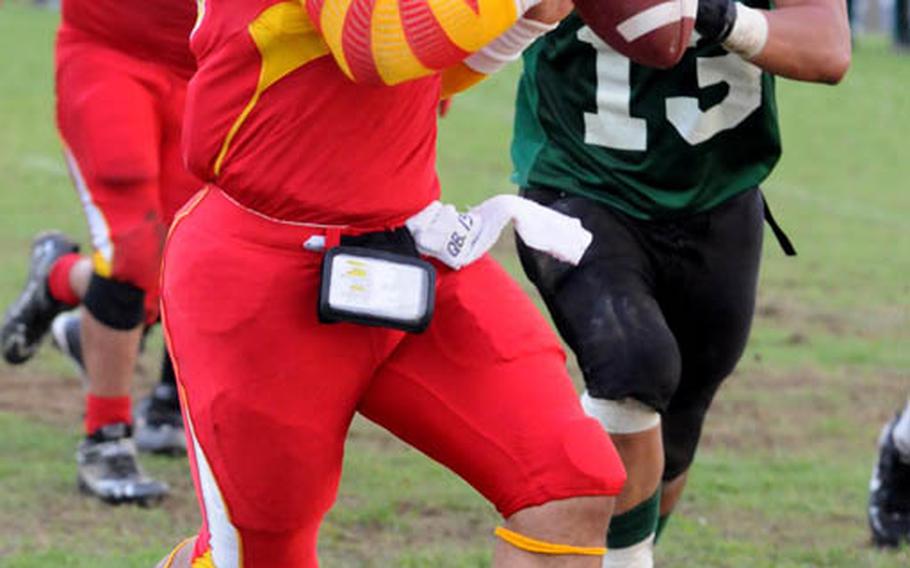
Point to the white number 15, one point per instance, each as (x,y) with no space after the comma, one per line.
(614,126)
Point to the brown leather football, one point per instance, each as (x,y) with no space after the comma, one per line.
(650,32)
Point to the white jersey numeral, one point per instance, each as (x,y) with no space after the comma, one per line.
(613,126)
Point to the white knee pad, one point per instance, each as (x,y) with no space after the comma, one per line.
(627,416)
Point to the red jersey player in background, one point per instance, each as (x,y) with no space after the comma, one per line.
(122,69)
(292,120)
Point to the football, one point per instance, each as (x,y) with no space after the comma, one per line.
(650,32)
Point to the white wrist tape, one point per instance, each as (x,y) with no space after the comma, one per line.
(458,239)
(522,6)
(749,34)
(507,47)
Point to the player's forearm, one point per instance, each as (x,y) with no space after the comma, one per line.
(807,40)
(391,41)
(807,43)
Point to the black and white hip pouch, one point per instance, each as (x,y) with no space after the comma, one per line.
(376,287)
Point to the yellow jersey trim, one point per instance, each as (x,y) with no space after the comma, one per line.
(394,60)
(286,40)
(471,30)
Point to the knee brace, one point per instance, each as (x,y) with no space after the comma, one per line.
(118,305)
(627,416)
(529,544)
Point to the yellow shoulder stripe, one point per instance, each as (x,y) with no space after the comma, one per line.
(286,40)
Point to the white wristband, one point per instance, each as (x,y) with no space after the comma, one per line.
(507,47)
(750,32)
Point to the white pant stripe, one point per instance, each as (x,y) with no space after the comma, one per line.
(97,225)
(224,540)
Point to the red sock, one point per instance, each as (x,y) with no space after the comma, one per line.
(103,410)
(58,281)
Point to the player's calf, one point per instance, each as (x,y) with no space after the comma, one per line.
(635,430)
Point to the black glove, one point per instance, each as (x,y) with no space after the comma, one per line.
(715,20)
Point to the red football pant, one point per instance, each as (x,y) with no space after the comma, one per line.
(120,120)
(269,392)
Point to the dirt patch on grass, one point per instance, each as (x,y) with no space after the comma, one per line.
(787,312)
(52,400)
(785,411)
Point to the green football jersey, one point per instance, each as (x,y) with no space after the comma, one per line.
(652,143)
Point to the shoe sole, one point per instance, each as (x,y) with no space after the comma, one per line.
(144,501)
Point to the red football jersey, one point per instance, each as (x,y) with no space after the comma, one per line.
(153,30)
(276,124)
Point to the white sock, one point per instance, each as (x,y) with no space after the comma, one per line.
(901,434)
(639,555)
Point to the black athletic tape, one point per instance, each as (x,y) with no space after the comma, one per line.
(715,20)
(118,305)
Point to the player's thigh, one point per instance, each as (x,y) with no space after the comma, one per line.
(109,122)
(605,308)
(485,392)
(107,112)
(711,317)
(269,391)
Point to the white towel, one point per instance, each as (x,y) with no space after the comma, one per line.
(458,239)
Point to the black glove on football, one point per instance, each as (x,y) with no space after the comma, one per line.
(715,20)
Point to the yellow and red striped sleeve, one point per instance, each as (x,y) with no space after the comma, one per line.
(459,77)
(391,41)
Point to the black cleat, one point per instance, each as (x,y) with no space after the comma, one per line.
(889,493)
(159,424)
(109,470)
(66,334)
(29,317)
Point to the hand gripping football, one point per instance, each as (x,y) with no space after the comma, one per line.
(650,32)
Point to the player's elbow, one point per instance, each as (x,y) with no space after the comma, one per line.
(837,56)
(836,66)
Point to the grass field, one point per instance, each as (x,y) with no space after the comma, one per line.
(781,478)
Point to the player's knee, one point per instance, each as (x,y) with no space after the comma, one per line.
(118,305)
(581,461)
(569,527)
(136,253)
(124,168)
(660,365)
(648,371)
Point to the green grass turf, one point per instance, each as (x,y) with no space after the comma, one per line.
(781,478)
